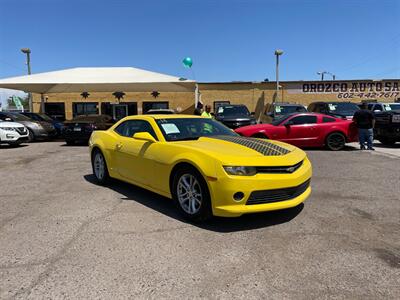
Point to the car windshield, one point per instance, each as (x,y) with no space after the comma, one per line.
(180,129)
(18,117)
(228,110)
(343,109)
(45,118)
(288,109)
(280,119)
(392,106)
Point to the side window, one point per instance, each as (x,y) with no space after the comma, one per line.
(370,106)
(130,127)
(300,120)
(378,107)
(328,120)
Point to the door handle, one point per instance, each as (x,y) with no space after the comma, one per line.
(118,146)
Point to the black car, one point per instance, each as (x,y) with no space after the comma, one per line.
(37,129)
(344,110)
(387,127)
(79,129)
(234,116)
(276,110)
(45,118)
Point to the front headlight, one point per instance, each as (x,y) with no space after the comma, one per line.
(241,171)
(8,128)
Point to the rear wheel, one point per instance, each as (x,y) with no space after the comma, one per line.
(99,167)
(191,195)
(335,141)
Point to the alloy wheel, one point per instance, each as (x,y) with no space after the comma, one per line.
(99,166)
(336,141)
(189,194)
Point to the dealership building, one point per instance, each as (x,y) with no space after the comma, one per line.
(128,91)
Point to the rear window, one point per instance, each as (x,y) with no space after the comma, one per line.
(328,120)
(289,109)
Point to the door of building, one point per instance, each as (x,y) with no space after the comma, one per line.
(119,111)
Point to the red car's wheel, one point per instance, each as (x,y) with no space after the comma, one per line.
(335,141)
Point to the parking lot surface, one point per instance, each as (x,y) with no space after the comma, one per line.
(63,236)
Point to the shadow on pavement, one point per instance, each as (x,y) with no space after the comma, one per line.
(166,206)
(394,146)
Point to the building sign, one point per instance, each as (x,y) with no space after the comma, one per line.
(349,89)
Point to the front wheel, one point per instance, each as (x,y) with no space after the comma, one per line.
(99,167)
(335,141)
(191,195)
(31,136)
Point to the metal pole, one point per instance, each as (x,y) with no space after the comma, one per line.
(28,62)
(322,76)
(334,77)
(277,78)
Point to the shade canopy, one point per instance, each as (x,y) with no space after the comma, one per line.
(125,79)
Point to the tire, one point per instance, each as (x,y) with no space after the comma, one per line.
(387,141)
(99,167)
(31,136)
(335,141)
(195,208)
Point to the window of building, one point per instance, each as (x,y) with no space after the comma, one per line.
(55,110)
(85,108)
(147,105)
(130,127)
(219,103)
(300,120)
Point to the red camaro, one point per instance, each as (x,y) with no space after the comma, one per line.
(306,130)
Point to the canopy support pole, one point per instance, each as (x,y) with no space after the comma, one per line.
(41,103)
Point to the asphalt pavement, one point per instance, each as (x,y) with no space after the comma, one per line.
(64,237)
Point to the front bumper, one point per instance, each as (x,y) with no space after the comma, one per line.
(223,189)
(13,137)
(43,133)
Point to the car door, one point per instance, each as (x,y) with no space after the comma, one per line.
(301,131)
(132,156)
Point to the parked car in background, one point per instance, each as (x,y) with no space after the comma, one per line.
(13,133)
(36,129)
(380,106)
(234,116)
(79,129)
(344,110)
(58,125)
(306,130)
(273,111)
(387,126)
(160,111)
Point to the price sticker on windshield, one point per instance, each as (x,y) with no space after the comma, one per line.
(170,128)
(332,107)
(278,109)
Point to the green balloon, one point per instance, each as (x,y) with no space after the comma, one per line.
(187,62)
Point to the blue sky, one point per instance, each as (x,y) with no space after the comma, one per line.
(227,39)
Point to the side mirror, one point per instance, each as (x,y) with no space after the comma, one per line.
(252,113)
(144,136)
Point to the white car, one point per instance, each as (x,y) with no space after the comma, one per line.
(13,133)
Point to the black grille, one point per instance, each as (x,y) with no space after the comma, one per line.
(21,130)
(277,195)
(263,147)
(279,170)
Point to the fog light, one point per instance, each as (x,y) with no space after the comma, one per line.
(238,196)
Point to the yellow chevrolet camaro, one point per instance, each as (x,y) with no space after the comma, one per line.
(205,167)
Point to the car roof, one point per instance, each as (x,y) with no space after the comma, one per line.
(287,104)
(157,117)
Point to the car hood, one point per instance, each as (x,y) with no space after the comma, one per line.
(10,124)
(236,150)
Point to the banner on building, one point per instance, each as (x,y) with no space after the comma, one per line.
(349,89)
